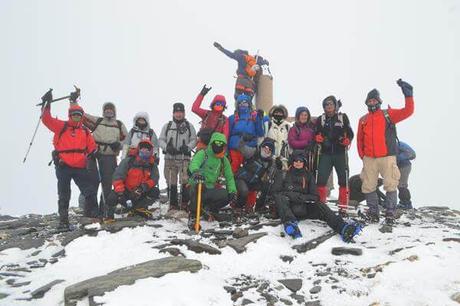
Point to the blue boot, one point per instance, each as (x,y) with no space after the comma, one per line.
(292,229)
(350,230)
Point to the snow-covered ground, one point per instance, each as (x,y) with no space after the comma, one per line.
(416,266)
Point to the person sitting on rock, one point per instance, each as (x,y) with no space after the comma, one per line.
(296,198)
(135,181)
(254,176)
(206,167)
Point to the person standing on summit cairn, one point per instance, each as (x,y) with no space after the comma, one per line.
(378,147)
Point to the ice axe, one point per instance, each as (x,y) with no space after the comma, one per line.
(74,95)
(198,207)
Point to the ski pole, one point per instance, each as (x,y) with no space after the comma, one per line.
(104,208)
(33,136)
(318,153)
(198,208)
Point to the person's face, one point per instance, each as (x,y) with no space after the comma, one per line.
(76,117)
(179,115)
(329,107)
(372,102)
(303,118)
(267,151)
(109,112)
(278,113)
(298,164)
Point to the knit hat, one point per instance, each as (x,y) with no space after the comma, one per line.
(268,142)
(373,94)
(178,107)
(243,98)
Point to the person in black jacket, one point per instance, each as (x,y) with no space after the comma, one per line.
(257,174)
(333,135)
(296,198)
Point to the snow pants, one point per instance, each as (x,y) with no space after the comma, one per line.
(82,179)
(329,161)
(404,193)
(289,210)
(212,199)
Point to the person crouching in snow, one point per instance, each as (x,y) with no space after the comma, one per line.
(246,126)
(251,177)
(296,198)
(378,147)
(135,180)
(207,166)
(212,120)
(333,135)
(73,146)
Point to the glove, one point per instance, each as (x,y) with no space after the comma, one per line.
(74,96)
(184,149)
(247,137)
(198,177)
(217,45)
(204,90)
(121,198)
(345,141)
(406,88)
(47,97)
(115,146)
(278,163)
(319,138)
(144,187)
(260,113)
(170,149)
(93,155)
(232,197)
(255,67)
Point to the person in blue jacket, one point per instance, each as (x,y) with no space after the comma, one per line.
(405,156)
(245,127)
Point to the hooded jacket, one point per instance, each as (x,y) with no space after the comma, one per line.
(211,166)
(107,134)
(217,121)
(405,154)
(135,135)
(333,131)
(298,185)
(73,143)
(279,132)
(134,171)
(178,134)
(301,134)
(245,123)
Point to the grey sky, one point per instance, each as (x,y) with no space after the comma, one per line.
(145,55)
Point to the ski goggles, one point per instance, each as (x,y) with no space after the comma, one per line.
(219,103)
(218,143)
(76,113)
(299,160)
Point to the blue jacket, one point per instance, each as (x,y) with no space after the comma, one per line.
(405,155)
(248,124)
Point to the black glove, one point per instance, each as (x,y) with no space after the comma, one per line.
(405,87)
(74,96)
(184,149)
(260,113)
(47,97)
(232,197)
(217,45)
(198,177)
(278,163)
(121,198)
(247,137)
(204,90)
(115,146)
(170,149)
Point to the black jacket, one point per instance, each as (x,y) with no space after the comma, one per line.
(298,185)
(333,130)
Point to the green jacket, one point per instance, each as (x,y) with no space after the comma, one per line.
(210,166)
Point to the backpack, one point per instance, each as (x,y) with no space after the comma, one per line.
(132,131)
(339,118)
(119,125)
(168,128)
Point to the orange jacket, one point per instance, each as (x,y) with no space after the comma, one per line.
(74,143)
(374,137)
(133,172)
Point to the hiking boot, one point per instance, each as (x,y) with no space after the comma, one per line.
(369,217)
(389,220)
(350,230)
(63,227)
(292,229)
(404,206)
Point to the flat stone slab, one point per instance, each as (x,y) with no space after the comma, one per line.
(347,251)
(119,225)
(97,286)
(293,284)
(23,244)
(40,292)
(239,245)
(196,246)
(312,244)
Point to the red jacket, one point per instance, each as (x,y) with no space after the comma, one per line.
(73,144)
(374,136)
(211,119)
(133,172)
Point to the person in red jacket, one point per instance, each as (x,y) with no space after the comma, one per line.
(213,120)
(135,180)
(378,147)
(73,145)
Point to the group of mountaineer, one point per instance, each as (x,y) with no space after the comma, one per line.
(251,160)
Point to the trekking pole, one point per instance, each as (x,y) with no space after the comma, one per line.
(318,153)
(33,136)
(77,91)
(198,208)
(104,208)
(179,186)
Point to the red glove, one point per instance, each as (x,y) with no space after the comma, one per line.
(345,141)
(319,138)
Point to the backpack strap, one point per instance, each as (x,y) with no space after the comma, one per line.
(390,123)
(98,121)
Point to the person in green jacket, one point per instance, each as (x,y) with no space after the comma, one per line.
(207,166)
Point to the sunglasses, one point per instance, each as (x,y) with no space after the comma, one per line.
(76,114)
(219,103)
(219,143)
(299,161)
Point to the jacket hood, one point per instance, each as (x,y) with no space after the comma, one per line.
(302,109)
(144,115)
(109,104)
(220,98)
(277,107)
(74,108)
